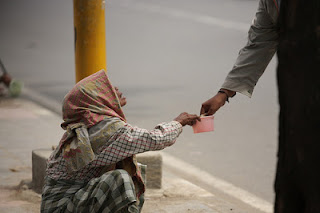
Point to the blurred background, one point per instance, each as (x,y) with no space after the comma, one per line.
(167,57)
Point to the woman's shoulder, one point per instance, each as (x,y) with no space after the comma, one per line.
(114,121)
(109,124)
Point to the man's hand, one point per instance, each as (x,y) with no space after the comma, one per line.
(187,119)
(213,104)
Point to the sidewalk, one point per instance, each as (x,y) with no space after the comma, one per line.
(25,126)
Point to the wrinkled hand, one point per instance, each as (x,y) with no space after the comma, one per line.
(213,104)
(187,119)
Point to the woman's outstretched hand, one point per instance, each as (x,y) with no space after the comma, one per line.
(187,119)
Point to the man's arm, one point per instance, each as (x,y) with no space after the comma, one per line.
(259,50)
(252,59)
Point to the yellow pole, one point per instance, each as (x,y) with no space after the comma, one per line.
(90,37)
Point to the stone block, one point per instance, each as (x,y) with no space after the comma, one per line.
(39,165)
(153,160)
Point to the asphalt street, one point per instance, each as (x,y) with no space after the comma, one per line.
(167,57)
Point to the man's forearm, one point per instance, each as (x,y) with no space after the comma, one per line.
(259,50)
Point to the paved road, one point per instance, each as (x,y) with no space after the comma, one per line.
(167,56)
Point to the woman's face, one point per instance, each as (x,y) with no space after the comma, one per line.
(122,99)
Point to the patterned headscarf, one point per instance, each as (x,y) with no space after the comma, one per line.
(90,101)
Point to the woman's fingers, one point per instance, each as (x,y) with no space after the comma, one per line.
(193,119)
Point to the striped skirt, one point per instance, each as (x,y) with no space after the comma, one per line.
(112,192)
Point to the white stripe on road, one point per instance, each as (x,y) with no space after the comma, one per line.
(187,15)
(217,183)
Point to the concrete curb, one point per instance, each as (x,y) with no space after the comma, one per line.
(42,100)
(39,165)
(153,160)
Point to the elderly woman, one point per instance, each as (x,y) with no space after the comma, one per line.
(93,169)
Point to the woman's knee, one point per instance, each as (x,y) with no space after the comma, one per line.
(118,175)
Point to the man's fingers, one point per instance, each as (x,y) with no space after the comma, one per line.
(211,111)
(203,110)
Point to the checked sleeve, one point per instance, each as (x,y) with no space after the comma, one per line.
(130,140)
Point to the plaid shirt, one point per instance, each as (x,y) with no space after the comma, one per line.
(125,142)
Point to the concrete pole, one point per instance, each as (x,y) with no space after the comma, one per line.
(90,37)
